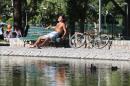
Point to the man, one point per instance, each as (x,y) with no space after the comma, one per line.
(59,29)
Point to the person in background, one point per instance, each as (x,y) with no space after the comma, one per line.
(9,27)
(7,33)
(12,34)
(1,32)
(18,33)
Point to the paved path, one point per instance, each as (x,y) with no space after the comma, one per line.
(81,53)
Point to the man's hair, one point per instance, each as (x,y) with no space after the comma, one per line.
(63,17)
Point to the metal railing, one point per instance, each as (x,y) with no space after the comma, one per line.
(115,31)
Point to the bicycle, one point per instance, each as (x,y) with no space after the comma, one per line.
(89,39)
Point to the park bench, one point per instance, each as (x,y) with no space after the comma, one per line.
(35,32)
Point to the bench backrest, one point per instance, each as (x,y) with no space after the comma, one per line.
(35,32)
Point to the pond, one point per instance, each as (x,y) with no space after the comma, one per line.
(35,71)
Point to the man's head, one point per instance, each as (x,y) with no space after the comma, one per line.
(9,27)
(61,18)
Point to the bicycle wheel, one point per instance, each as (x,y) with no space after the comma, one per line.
(101,40)
(77,40)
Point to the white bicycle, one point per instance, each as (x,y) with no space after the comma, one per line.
(89,39)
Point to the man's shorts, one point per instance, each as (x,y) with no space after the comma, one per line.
(53,35)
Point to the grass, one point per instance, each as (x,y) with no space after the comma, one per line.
(3,43)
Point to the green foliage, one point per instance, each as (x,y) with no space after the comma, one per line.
(4,6)
(28,2)
(10,21)
(50,8)
(44,9)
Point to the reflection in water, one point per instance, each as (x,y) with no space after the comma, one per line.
(20,71)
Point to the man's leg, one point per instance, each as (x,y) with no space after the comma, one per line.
(44,42)
(37,43)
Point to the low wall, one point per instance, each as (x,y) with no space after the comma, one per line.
(120,44)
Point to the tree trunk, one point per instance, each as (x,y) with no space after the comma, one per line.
(72,16)
(18,16)
(128,21)
(83,9)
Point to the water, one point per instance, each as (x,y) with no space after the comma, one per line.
(20,71)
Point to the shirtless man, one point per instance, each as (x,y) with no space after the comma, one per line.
(60,29)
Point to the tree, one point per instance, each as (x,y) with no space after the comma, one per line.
(71,11)
(18,16)
(128,28)
(76,10)
(5,9)
(82,10)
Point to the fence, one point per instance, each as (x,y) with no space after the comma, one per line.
(114,30)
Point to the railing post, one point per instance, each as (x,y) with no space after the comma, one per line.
(99,15)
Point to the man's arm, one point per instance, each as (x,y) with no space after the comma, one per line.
(50,26)
(65,31)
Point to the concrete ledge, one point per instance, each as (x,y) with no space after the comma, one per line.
(120,44)
(67,53)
